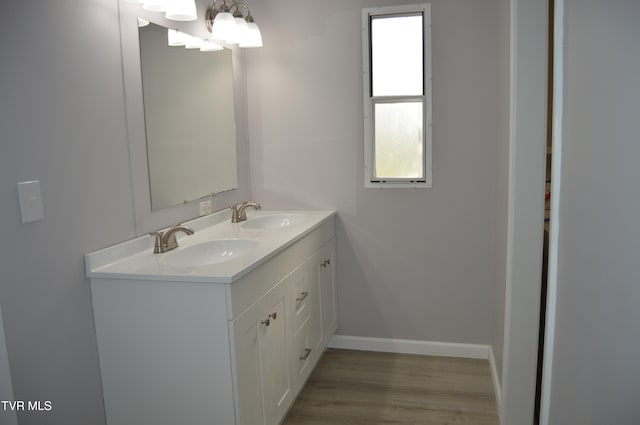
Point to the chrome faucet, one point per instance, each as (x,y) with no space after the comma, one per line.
(238,213)
(167,241)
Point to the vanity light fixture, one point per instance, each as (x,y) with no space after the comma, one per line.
(232,28)
(181,10)
(154,5)
(175,10)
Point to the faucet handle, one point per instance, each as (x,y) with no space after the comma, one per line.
(234,213)
(157,248)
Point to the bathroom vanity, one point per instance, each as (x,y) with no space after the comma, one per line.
(223,330)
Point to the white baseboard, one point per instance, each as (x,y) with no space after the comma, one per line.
(406,346)
(497,388)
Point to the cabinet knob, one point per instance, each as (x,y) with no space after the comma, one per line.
(267,321)
(305,356)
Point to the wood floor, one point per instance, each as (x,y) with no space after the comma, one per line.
(369,388)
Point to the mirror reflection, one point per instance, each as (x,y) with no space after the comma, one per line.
(189,119)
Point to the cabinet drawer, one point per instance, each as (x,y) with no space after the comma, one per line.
(304,295)
(304,352)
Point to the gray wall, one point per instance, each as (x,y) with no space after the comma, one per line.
(63,122)
(416,264)
(595,363)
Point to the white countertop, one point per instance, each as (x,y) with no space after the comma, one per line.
(135,260)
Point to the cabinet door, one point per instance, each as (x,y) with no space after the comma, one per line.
(326,276)
(264,383)
(245,331)
(277,388)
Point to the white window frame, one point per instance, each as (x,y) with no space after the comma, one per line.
(369,101)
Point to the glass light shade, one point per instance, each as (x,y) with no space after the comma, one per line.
(253,36)
(142,22)
(175,38)
(181,10)
(223,24)
(192,42)
(155,5)
(238,33)
(210,46)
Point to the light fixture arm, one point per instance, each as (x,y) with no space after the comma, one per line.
(223,5)
(237,5)
(213,11)
(249,18)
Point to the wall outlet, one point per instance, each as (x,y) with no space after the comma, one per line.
(205,208)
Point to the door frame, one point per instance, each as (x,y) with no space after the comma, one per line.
(527,154)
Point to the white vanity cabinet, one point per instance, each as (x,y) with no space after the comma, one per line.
(280,338)
(208,353)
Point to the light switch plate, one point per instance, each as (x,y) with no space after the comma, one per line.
(30,201)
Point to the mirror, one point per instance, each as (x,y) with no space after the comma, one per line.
(146,218)
(188,99)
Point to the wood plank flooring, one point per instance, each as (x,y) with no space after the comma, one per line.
(368,388)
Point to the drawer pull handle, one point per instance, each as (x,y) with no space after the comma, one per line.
(307,352)
(303,295)
(267,321)
(325,263)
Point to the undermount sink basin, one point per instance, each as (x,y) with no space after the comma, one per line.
(274,221)
(210,252)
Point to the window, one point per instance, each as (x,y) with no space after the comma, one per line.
(397,95)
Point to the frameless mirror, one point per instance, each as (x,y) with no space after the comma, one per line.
(188,99)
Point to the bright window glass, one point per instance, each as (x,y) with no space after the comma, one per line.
(396,55)
(398,135)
